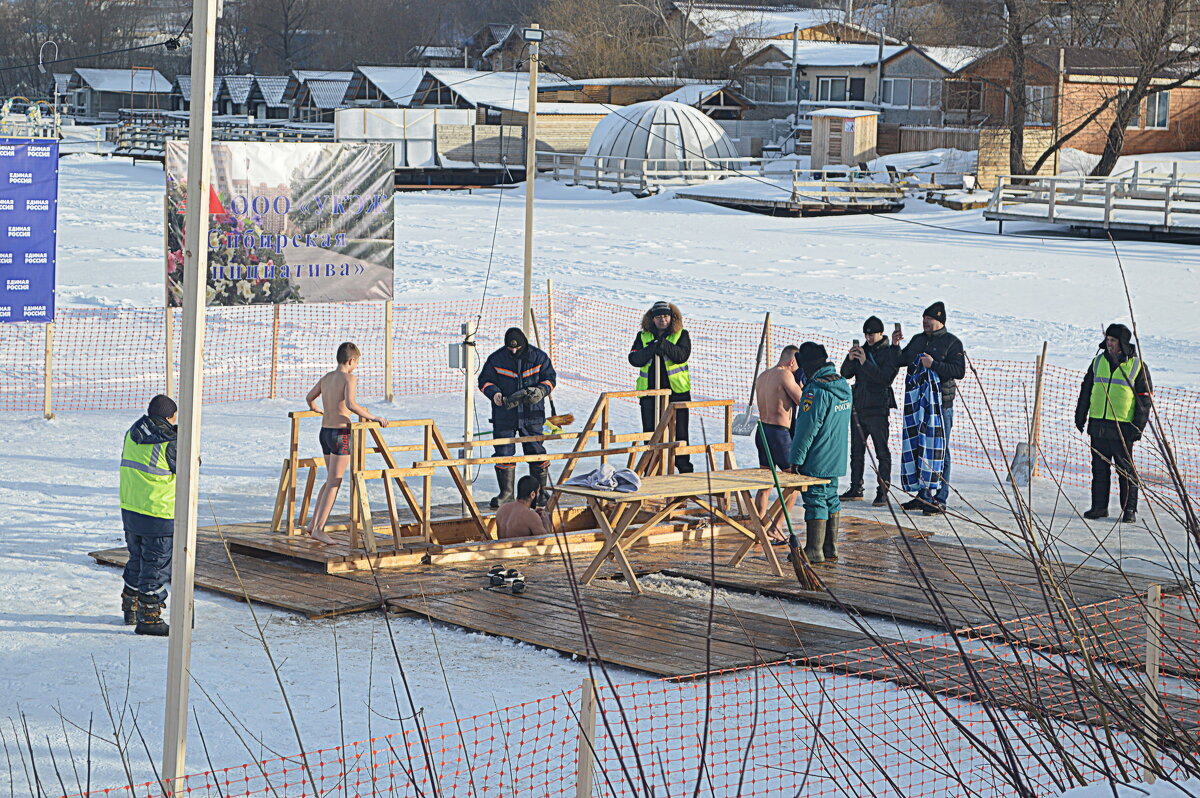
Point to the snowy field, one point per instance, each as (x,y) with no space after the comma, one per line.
(61,638)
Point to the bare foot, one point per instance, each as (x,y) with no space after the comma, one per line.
(321,537)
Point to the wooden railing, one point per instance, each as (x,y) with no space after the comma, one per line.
(1130,201)
(639,175)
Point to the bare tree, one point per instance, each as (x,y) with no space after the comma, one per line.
(606,38)
(289,31)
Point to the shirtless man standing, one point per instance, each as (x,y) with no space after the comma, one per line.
(339,388)
(778,394)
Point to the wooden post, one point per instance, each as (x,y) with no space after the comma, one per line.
(389,321)
(1035,428)
(550,348)
(48,375)
(426,484)
(768,343)
(586,757)
(293,459)
(274,351)
(468,393)
(1150,696)
(191,397)
(530,179)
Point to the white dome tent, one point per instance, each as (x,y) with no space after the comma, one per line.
(639,145)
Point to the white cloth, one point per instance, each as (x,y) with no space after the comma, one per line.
(606,477)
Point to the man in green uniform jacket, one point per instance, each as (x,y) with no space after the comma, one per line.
(819,448)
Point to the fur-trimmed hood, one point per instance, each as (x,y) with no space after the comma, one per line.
(676,320)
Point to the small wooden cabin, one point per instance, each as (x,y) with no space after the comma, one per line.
(843,136)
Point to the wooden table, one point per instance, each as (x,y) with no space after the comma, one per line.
(615,512)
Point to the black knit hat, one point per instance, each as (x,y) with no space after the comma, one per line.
(162,406)
(515,336)
(1120,332)
(811,353)
(936,311)
(660,308)
(872,325)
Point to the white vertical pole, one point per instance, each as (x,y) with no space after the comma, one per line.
(168,315)
(468,392)
(530,176)
(191,393)
(48,374)
(1150,697)
(389,321)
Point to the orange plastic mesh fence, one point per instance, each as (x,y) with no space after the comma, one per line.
(115,359)
(844,724)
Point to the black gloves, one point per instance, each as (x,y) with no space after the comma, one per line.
(525,396)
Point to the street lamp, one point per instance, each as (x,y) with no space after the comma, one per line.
(53,81)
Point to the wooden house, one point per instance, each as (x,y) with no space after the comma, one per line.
(99,94)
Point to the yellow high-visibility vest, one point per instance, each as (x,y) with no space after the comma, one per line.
(1113,397)
(678,377)
(147,484)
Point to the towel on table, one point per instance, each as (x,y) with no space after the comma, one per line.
(606,477)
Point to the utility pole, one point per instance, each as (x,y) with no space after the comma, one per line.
(191,395)
(533,36)
(796,86)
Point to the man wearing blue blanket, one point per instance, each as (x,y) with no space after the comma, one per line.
(938,350)
(822,433)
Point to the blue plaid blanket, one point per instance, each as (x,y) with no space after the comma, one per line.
(923,453)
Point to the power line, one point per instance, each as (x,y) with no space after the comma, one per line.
(171,43)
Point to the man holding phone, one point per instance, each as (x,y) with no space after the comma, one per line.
(873,369)
(937,349)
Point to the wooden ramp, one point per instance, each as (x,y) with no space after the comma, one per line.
(653,632)
(970,587)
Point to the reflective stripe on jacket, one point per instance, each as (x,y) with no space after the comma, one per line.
(1113,395)
(147,484)
(678,377)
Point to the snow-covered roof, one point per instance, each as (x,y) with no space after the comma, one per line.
(327,93)
(238,86)
(639,81)
(398,84)
(184,82)
(501,34)
(660,130)
(437,51)
(140,81)
(954,58)
(482,88)
(305,75)
(273,87)
(694,93)
(521,105)
(833,54)
(723,24)
(844,113)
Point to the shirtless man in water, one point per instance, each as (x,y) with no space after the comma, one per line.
(778,394)
(338,388)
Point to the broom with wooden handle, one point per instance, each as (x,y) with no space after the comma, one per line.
(555,421)
(805,574)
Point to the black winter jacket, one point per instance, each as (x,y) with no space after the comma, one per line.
(1143,390)
(873,395)
(507,373)
(949,359)
(677,352)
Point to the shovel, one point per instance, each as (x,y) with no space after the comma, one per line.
(746,423)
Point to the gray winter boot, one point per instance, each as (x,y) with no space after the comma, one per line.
(149,616)
(829,549)
(129,606)
(506,478)
(814,534)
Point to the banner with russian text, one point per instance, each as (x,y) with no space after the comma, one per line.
(28,222)
(289,222)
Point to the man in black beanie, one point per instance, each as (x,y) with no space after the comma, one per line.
(1114,405)
(148,514)
(935,348)
(517,378)
(819,448)
(873,368)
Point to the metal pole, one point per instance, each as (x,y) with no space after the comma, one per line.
(530,176)
(468,392)
(191,394)
(48,375)
(389,322)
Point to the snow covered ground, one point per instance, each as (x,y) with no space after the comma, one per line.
(60,635)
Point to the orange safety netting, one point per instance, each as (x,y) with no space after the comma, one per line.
(919,718)
(115,359)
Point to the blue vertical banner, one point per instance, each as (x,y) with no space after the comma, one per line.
(28,228)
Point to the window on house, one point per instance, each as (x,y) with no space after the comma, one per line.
(1158,108)
(858,89)
(925,93)
(831,90)
(781,89)
(964,94)
(1135,120)
(896,92)
(1039,105)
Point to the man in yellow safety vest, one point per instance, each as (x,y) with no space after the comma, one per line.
(148,514)
(660,352)
(1114,405)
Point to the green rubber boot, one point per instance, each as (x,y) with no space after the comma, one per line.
(814,534)
(829,549)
